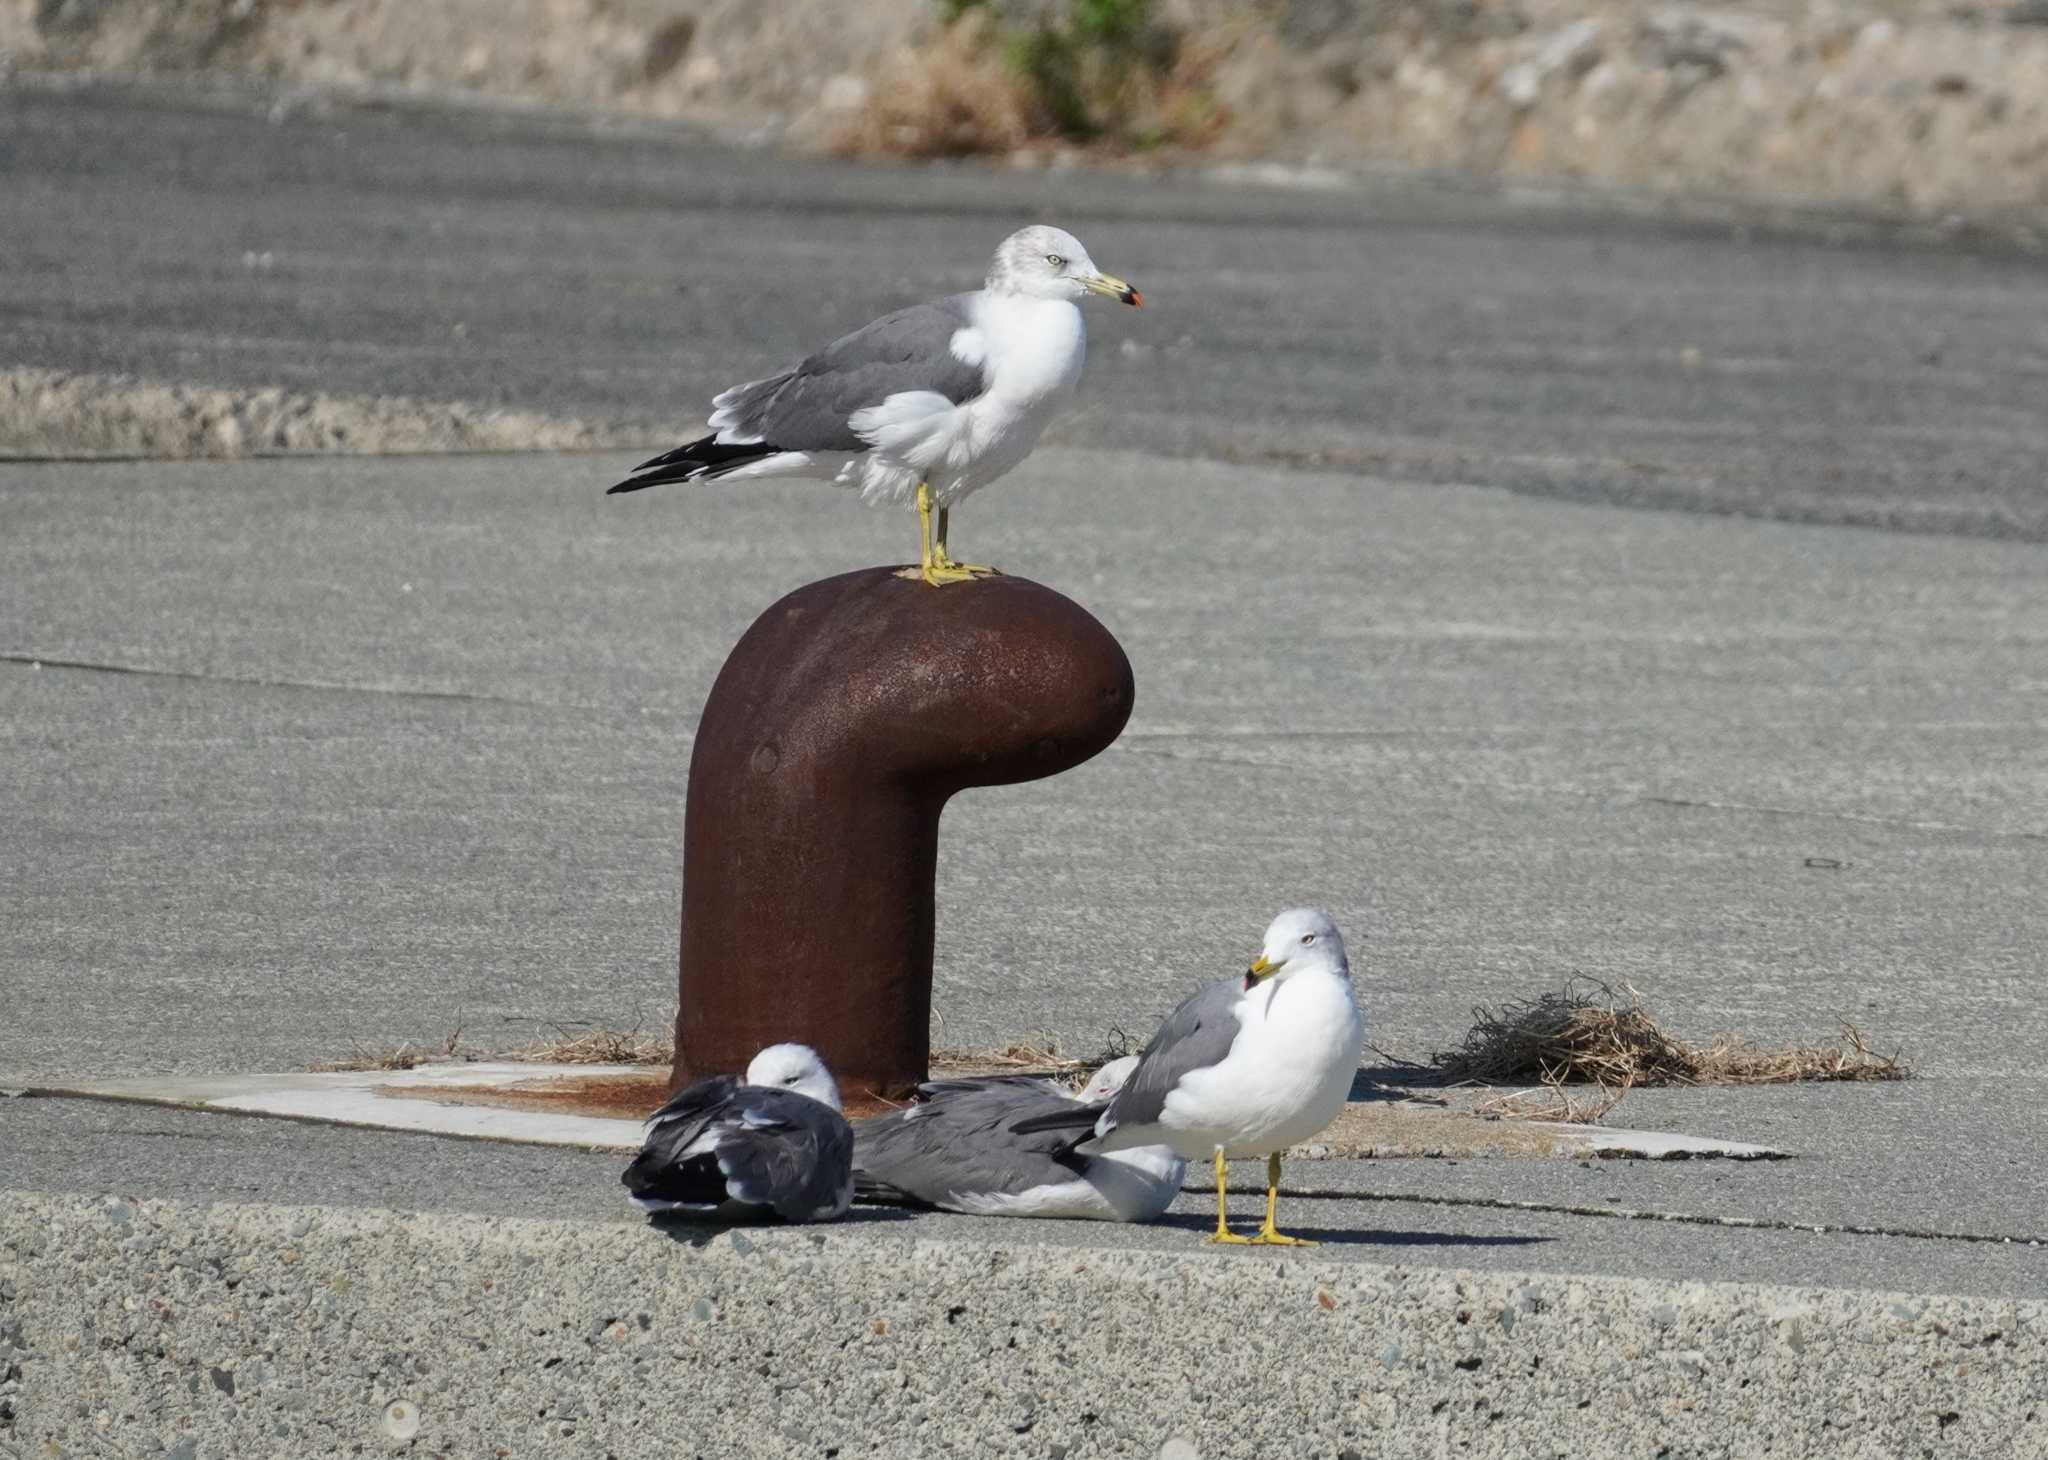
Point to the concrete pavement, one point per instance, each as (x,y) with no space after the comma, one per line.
(222,1329)
(404,742)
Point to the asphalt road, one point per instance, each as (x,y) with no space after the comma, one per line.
(338,753)
(1823,374)
(346,753)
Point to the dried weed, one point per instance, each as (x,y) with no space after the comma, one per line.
(1589,1034)
(954,97)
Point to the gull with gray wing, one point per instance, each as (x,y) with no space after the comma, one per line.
(929,404)
(774,1142)
(959,1150)
(1246,1067)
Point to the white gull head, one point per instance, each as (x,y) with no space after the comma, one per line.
(794,1067)
(1298,941)
(1106,1081)
(1042,262)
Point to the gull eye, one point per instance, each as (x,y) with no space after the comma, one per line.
(1056,261)
(1307,938)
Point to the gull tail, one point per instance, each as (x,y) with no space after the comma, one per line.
(1078,1117)
(699,460)
(658,1176)
(873,1189)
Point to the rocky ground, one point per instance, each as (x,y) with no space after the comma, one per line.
(1899,106)
(72,413)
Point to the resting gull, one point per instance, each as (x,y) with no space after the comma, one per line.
(929,403)
(959,1150)
(772,1142)
(1246,1067)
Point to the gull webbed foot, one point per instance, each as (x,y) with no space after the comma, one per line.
(1269,1238)
(938,576)
(946,564)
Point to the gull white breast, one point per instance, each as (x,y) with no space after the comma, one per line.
(1246,1067)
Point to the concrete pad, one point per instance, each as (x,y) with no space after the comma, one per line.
(231,1330)
(469,1101)
(429,1099)
(1382,1130)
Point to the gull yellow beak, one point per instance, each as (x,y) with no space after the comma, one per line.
(1115,288)
(1261,966)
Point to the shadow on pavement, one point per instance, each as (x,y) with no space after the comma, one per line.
(1357,1236)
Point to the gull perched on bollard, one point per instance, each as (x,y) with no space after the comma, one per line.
(1246,1067)
(773,1142)
(959,1150)
(927,404)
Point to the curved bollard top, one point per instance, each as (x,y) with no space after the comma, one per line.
(839,726)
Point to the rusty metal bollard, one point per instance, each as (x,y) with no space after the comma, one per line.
(843,720)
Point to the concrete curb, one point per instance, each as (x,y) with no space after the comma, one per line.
(144,1328)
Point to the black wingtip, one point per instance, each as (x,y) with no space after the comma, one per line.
(704,459)
(1081,1117)
(874,1190)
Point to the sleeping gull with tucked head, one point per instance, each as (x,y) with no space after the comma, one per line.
(959,1150)
(928,404)
(773,1142)
(1246,1067)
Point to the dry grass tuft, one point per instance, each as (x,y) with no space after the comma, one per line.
(1568,1037)
(996,83)
(600,1047)
(591,1047)
(954,97)
(406,1057)
(1737,1062)
(1033,1059)
(1553,1102)
(636,1046)
(1588,1034)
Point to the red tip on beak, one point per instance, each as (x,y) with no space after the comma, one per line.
(1133,298)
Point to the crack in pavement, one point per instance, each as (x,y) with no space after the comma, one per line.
(1902,823)
(1645,1214)
(1795,811)
(1547,731)
(42,661)
(310,453)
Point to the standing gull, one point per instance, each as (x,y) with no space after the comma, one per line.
(929,403)
(959,1150)
(1246,1067)
(774,1142)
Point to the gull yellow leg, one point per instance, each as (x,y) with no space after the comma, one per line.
(1223,1232)
(1269,1233)
(933,566)
(945,559)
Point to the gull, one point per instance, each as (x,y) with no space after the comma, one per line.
(959,1150)
(1107,1080)
(773,1142)
(1246,1067)
(929,404)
